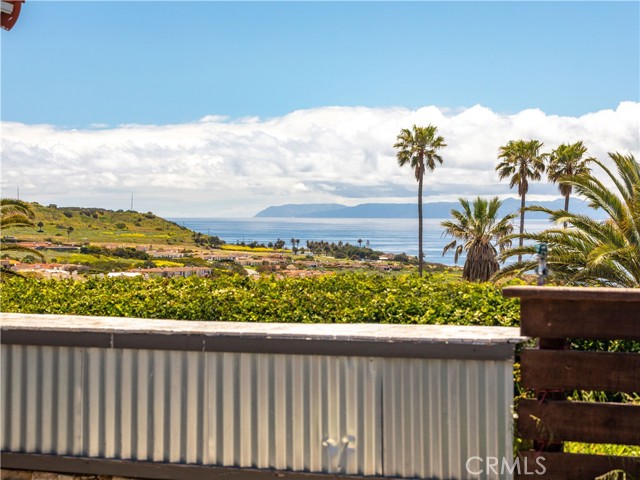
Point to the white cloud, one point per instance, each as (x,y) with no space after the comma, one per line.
(222,167)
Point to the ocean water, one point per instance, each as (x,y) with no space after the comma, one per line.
(386,235)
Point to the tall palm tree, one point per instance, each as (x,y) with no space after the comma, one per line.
(418,148)
(481,234)
(592,252)
(567,161)
(521,161)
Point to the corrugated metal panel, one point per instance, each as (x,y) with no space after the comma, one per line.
(414,418)
(439,413)
(293,412)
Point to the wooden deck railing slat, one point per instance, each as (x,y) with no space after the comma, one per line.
(572,466)
(574,370)
(587,319)
(601,294)
(579,421)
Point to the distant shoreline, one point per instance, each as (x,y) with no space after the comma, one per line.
(435,210)
(385,235)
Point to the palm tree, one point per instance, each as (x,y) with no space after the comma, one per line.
(592,252)
(419,149)
(567,161)
(480,234)
(15,213)
(521,161)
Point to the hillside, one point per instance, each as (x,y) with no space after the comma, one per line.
(99,225)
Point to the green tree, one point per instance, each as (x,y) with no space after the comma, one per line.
(565,162)
(521,161)
(592,252)
(418,148)
(481,234)
(69,232)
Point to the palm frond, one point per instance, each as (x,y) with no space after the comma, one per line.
(12,247)
(12,273)
(15,220)
(11,206)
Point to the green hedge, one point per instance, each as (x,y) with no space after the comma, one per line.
(342,298)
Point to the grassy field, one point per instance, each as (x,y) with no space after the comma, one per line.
(99,225)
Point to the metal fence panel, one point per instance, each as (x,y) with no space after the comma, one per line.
(398,417)
(292,412)
(440,413)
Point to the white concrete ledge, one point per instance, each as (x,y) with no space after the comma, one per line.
(420,341)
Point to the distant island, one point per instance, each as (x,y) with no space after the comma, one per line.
(408,210)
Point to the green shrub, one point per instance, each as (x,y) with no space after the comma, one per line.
(343,298)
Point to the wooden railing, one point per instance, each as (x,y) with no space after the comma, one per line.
(553,315)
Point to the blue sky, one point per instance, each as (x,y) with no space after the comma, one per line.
(83,63)
(224,108)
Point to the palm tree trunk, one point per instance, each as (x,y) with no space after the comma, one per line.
(522,205)
(566,207)
(420,254)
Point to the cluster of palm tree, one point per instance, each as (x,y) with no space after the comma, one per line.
(521,161)
(584,251)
